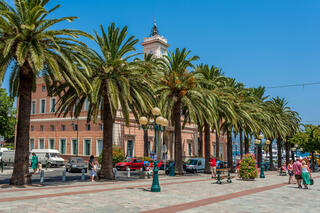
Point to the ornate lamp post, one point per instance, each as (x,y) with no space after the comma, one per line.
(159,124)
(295,149)
(259,144)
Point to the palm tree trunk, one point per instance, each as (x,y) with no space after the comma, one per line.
(241,143)
(271,157)
(217,146)
(200,141)
(312,162)
(292,156)
(106,165)
(287,152)
(21,158)
(229,150)
(146,142)
(246,144)
(177,137)
(279,152)
(207,147)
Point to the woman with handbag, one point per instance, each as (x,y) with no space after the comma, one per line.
(34,163)
(306,175)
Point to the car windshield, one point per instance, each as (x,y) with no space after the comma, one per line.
(54,155)
(76,160)
(192,162)
(127,160)
(0,154)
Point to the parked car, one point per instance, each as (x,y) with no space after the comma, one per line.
(195,165)
(50,156)
(1,151)
(8,157)
(172,163)
(76,164)
(221,164)
(133,164)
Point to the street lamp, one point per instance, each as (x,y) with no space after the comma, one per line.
(295,149)
(259,144)
(159,124)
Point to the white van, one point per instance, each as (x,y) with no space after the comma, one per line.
(52,156)
(195,165)
(8,157)
(1,151)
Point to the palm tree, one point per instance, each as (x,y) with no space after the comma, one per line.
(118,86)
(28,41)
(177,90)
(210,80)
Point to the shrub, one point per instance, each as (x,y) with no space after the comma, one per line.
(117,156)
(248,168)
(147,159)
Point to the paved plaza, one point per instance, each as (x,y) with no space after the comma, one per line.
(179,194)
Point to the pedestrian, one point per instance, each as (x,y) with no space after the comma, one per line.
(290,172)
(306,174)
(297,169)
(213,167)
(34,162)
(92,168)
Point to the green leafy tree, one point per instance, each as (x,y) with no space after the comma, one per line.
(30,42)
(7,116)
(309,140)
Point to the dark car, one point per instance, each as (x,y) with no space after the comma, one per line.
(172,164)
(76,165)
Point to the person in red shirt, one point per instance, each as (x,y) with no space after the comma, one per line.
(213,167)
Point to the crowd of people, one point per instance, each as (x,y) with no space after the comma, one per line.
(299,170)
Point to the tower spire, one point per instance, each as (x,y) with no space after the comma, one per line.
(154,30)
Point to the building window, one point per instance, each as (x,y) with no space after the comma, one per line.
(88,127)
(52,128)
(86,105)
(87,147)
(51,143)
(99,146)
(74,143)
(41,143)
(43,106)
(43,88)
(63,146)
(41,128)
(32,128)
(63,127)
(221,151)
(214,150)
(189,149)
(33,107)
(75,127)
(31,144)
(130,148)
(100,127)
(53,105)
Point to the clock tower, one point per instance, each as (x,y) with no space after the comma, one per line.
(156,44)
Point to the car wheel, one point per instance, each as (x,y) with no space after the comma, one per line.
(85,171)
(49,165)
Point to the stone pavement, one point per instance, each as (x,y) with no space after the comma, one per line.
(186,194)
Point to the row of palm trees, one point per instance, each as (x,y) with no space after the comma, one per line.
(112,79)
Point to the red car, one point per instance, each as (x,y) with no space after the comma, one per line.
(135,164)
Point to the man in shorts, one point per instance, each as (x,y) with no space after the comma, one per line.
(213,167)
(297,171)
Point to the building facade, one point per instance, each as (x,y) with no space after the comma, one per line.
(76,137)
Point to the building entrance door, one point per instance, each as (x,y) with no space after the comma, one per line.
(130,148)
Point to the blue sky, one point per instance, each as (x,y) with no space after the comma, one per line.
(258,42)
